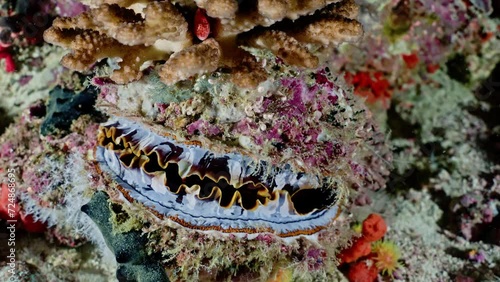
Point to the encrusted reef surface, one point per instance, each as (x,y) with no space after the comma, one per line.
(434,66)
(261,140)
(240,169)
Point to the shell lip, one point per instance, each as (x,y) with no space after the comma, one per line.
(258,197)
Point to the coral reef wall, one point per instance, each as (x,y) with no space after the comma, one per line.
(266,140)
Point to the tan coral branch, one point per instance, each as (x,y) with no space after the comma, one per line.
(132,60)
(347,8)
(273,9)
(263,15)
(82,21)
(249,73)
(195,60)
(219,8)
(161,21)
(114,31)
(88,47)
(330,30)
(284,47)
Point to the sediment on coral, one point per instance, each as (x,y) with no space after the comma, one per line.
(140,32)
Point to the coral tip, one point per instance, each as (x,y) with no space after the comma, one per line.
(201,25)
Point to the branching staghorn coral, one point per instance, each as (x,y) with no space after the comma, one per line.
(143,31)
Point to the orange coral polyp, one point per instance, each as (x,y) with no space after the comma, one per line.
(386,255)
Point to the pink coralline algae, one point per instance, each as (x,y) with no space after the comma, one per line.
(204,127)
(316,258)
(293,127)
(245,126)
(69,8)
(415,39)
(477,256)
(266,238)
(6,150)
(474,215)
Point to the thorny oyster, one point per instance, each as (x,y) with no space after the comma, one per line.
(277,161)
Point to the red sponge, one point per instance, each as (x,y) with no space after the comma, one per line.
(359,248)
(374,228)
(362,271)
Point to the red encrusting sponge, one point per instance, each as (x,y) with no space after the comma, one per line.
(362,268)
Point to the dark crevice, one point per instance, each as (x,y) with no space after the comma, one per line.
(307,200)
(5,120)
(496,9)
(399,127)
(458,70)
(489,92)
